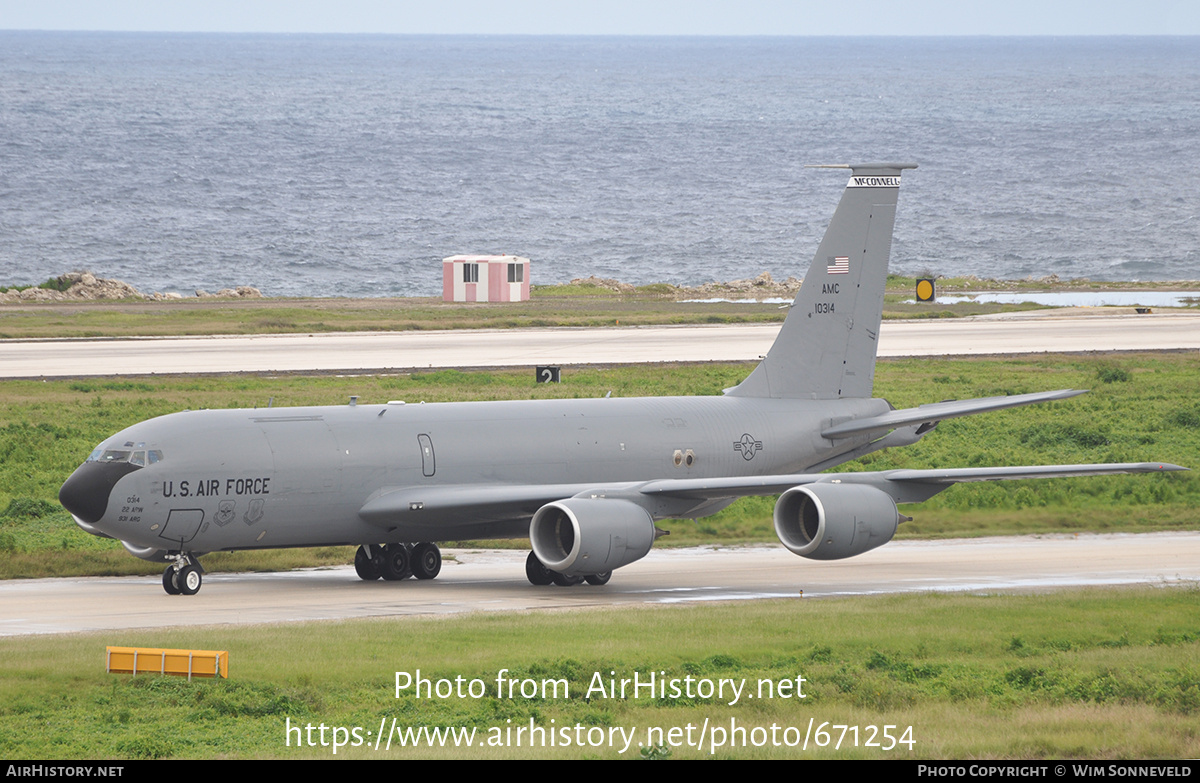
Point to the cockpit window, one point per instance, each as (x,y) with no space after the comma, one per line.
(140,457)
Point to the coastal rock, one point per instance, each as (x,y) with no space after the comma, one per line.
(241,292)
(85,286)
(605,282)
(761,287)
(76,286)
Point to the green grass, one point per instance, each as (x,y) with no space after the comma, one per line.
(1141,407)
(550,305)
(1072,674)
(276,316)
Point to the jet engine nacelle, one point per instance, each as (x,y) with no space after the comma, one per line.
(833,521)
(584,536)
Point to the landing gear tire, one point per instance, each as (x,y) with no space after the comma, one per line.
(366,566)
(189,580)
(537,573)
(395,563)
(426,561)
(599,579)
(562,580)
(169,583)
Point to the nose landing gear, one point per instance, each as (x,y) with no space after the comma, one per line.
(183,577)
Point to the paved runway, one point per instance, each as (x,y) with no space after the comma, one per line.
(494,581)
(1045,331)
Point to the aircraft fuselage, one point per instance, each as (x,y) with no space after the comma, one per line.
(280,477)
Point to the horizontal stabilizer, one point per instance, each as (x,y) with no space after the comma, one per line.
(937,411)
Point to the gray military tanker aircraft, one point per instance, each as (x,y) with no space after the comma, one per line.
(585,480)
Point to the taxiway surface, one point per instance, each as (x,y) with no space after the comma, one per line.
(1041,332)
(494,581)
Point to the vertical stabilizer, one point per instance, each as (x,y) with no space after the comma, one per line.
(826,348)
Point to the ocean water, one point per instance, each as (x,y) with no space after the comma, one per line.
(350,165)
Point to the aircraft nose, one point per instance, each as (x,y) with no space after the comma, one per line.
(85,494)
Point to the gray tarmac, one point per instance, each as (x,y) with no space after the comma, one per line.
(1074,330)
(494,581)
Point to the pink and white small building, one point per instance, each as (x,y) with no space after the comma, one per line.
(485,279)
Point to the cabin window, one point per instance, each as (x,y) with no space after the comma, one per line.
(470,273)
(428,467)
(516,273)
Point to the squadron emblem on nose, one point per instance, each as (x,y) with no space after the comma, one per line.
(747,446)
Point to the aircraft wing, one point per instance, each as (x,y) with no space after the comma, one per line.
(456,504)
(481,504)
(934,412)
(905,486)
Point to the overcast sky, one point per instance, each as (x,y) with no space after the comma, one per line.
(616,17)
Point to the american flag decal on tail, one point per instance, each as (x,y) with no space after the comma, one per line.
(838,266)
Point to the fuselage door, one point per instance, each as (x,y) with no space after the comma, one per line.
(428,466)
(306,454)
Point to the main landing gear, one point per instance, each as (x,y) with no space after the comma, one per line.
(397,562)
(184,576)
(541,576)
